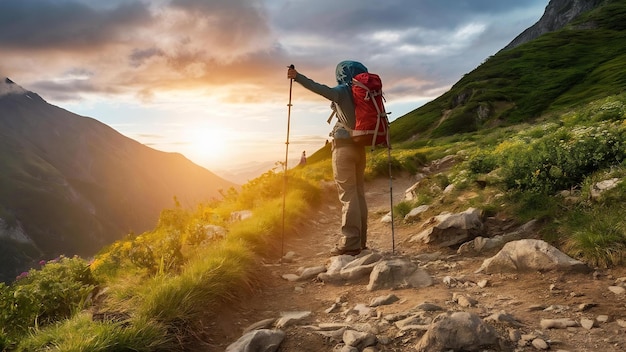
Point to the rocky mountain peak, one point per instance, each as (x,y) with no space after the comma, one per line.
(557,15)
(7,86)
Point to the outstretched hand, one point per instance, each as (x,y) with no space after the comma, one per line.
(291,73)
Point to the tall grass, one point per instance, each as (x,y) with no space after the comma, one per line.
(82,333)
(600,237)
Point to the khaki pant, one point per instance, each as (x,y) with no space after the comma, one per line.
(348,170)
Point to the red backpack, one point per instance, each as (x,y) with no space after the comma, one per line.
(372,124)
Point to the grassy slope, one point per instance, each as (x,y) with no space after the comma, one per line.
(578,64)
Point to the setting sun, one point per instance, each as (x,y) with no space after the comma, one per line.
(213,146)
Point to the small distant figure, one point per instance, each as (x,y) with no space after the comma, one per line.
(303,158)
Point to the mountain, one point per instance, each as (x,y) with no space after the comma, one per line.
(557,15)
(71,185)
(243,173)
(581,62)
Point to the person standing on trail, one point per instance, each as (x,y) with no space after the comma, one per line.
(303,158)
(348,158)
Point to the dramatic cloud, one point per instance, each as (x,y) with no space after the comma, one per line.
(148,46)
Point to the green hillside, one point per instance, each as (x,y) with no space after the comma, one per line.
(581,63)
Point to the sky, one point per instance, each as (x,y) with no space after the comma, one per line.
(207,78)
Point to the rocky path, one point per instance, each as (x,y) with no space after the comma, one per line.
(307,305)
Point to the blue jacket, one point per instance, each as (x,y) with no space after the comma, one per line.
(340,95)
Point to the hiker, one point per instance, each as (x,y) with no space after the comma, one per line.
(303,158)
(348,158)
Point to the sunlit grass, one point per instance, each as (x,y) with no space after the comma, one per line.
(81,333)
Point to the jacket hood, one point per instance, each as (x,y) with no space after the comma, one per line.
(346,70)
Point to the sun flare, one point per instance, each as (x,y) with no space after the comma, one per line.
(210,145)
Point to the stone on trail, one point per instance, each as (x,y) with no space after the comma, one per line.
(587,323)
(396,274)
(348,268)
(415,212)
(482,244)
(458,331)
(618,290)
(562,323)
(289,318)
(428,307)
(540,344)
(503,318)
(309,273)
(264,340)
(451,229)
(289,257)
(291,277)
(415,321)
(362,309)
(530,254)
(337,263)
(384,300)
(358,339)
(463,300)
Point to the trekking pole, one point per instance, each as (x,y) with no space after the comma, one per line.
(393,236)
(282,240)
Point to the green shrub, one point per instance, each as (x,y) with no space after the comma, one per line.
(412,162)
(380,164)
(42,297)
(561,160)
(482,162)
(402,209)
(532,205)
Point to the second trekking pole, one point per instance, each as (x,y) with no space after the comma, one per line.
(282,240)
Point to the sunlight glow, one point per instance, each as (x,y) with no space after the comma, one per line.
(210,145)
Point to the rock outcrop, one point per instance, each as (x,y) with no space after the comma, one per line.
(557,15)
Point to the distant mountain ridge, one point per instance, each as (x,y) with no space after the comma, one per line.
(70,184)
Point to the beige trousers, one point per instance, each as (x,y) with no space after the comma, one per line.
(348,170)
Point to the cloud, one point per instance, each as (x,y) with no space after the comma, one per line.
(129,45)
(237,50)
(55,25)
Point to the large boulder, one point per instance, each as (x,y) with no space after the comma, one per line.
(398,273)
(481,244)
(530,254)
(458,331)
(447,229)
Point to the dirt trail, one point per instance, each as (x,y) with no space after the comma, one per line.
(517,294)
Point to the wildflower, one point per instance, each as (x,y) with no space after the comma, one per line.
(22,275)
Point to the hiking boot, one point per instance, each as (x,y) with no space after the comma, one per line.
(341,251)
